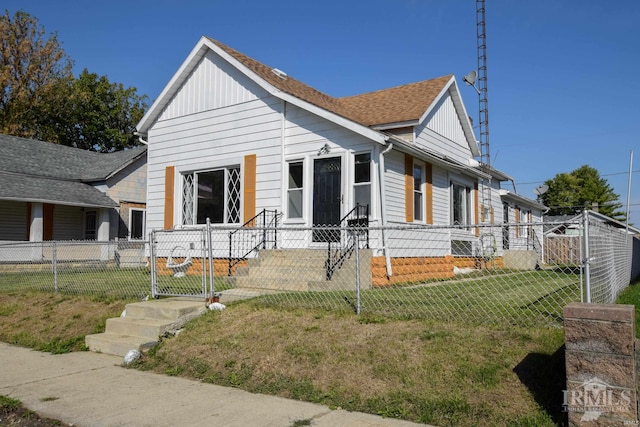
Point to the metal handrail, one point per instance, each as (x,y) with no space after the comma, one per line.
(269,229)
(356,222)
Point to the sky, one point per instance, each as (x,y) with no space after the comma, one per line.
(563,76)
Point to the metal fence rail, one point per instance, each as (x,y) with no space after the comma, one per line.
(511,273)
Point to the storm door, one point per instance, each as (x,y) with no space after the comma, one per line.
(327,198)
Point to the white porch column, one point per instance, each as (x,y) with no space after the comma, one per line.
(103,233)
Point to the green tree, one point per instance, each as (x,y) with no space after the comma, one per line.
(41,99)
(102,115)
(570,193)
(34,75)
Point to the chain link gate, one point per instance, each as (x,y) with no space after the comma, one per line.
(181,262)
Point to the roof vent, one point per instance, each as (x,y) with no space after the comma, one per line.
(279,73)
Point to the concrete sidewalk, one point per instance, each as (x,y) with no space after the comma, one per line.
(91,389)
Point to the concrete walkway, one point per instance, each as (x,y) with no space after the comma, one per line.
(92,389)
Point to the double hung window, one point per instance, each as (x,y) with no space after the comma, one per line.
(461,204)
(362,180)
(418,197)
(295,190)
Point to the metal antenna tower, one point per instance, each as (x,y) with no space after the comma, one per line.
(483,103)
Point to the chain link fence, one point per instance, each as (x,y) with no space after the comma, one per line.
(117,268)
(513,273)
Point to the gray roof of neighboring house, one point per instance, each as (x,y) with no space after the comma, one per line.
(39,171)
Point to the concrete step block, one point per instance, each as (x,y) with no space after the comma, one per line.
(169,309)
(118,345)
(146,328)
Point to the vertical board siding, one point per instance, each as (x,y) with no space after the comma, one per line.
(445,121)
(249,187)
(442,132)
(169,191)
(408,188)
(212,84)
(428,194)
(15,221)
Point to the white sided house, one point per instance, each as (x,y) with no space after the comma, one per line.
(230,138)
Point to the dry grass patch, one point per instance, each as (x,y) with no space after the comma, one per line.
(425,371)
(52,322)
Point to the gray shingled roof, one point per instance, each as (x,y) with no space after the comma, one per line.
(33,170)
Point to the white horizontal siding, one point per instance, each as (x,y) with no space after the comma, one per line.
(212,84)
(217,138)
(441,197)
(416,242)
(306,133)
(395,185)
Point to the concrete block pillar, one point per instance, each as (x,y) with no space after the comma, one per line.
(600,362)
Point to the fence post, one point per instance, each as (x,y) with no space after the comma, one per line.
(54,265)
(152,256)
(210,260)
(354,236)
(587,260)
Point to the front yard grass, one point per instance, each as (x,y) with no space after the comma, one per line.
(427,371)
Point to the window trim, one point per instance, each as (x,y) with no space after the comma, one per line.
(363,183)
(468,204)
(301,189)
(144,223)
(421,206)
(194,182)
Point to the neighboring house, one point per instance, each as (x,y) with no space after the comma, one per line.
(563,242)
(230,137)
(55,192)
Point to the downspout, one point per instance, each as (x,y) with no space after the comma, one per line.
(140,135)
(383,211)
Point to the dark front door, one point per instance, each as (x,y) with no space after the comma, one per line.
(327,198)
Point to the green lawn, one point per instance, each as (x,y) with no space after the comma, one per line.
(532,297)
(523,297)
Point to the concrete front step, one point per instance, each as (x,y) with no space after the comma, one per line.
(144,324)
(169,309)
(118,345)
(145,328)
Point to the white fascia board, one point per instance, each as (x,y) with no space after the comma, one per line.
(396,125)
(437,159)
(467,127)
(521,199)
(339,120)
(194,57)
